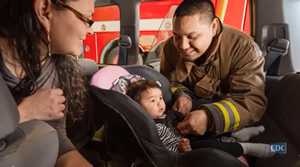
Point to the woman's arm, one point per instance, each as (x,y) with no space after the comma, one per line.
(71,159)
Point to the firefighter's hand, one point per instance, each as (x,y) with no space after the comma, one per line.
(45,104)
(183,104)
(194,123)
(184,145)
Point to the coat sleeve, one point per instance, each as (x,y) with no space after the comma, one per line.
(168,61)
(244,103)
(65,144)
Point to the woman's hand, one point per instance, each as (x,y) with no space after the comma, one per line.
(45,104)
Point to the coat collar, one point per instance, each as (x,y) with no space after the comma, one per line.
(184,68)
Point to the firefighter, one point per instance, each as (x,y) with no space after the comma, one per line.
(215,71)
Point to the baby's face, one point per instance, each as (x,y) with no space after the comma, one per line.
(153,103)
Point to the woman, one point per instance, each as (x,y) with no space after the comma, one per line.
(39,43)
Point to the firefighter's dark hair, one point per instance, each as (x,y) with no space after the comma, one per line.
(20,27)
(192,7)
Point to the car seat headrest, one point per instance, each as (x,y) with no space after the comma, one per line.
(118,78)
(9,114)
(114,78)
(106,76)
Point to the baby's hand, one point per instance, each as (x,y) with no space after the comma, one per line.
(184,145)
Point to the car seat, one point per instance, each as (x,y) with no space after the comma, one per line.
(131,136)
(33,143)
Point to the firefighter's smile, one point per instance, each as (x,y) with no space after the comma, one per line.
(189,53)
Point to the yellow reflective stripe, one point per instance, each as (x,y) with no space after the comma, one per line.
(225,114)
(235,113)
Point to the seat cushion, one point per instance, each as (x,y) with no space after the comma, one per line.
(33,143)
(9,114)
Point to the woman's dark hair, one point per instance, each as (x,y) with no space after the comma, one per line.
(135,89)
(192,7)
(20,27)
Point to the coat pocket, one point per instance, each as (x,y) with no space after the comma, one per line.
(207,86)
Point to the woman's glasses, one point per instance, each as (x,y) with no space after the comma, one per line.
(78,14)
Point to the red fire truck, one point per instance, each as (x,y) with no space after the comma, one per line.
(155,25)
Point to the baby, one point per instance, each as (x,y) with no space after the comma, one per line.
(149,95)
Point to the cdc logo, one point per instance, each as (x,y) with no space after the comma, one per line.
(279,148)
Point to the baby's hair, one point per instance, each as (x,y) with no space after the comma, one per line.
(135,89)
